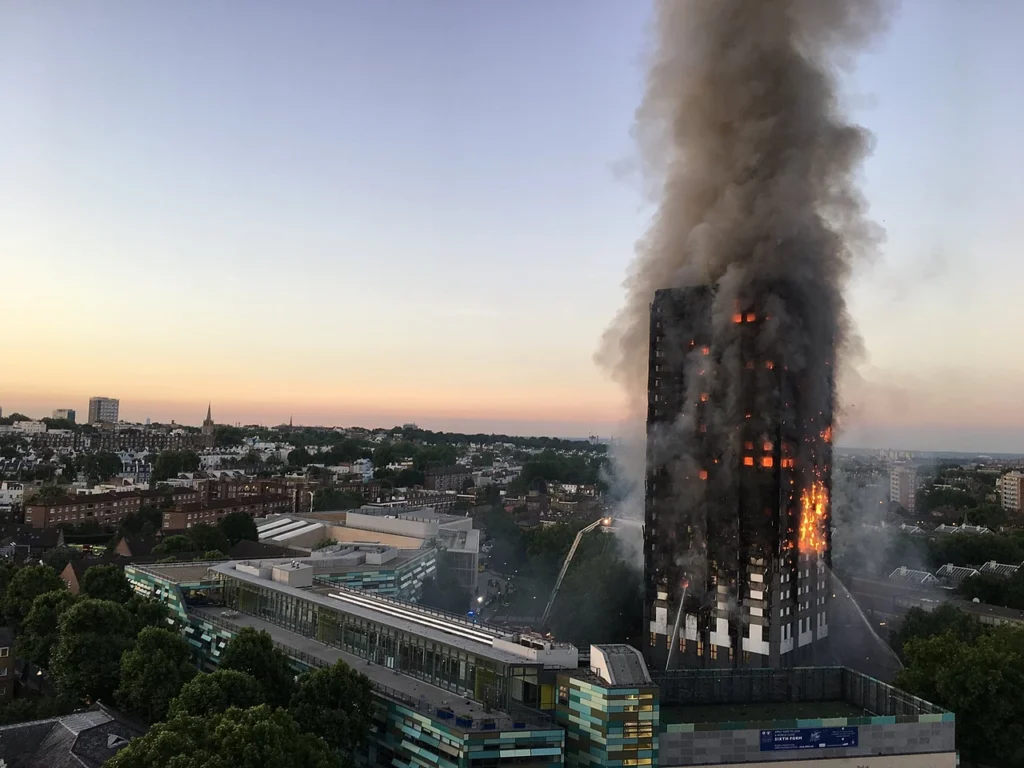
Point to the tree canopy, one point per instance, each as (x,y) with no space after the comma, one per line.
(153,673)
(253,652)
(169,463)
(86,659)
(238,738)
(217,692)
(238,526)
(334,703)
(980,680)
(330,499)
(106,582)
(204,537)
(26,584)
(41,628)
(98,466)
(173,545)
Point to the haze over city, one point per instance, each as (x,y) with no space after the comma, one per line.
(373,214)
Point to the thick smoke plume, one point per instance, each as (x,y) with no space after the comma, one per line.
(752,165)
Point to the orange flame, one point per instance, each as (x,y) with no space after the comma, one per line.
(827,434)
(813,514)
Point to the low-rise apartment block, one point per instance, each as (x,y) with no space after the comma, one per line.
(447,478)
(212,512)
(105,509)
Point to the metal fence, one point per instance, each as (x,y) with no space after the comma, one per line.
(694,687)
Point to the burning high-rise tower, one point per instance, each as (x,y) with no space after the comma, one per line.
(734,318)
(736,538)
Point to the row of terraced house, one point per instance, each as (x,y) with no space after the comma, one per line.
(187,507)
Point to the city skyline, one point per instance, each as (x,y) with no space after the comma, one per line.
(274,238)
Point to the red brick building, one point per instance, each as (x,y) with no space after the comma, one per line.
(211,512)
(104,509)
(447,478)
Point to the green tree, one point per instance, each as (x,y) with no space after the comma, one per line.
(169,463)
(7,570)
(26,708)
(947,618)
(106,582)
(41,628)
(86,662)
(50,492)
(239,738)
(173,545)
(408,478)
(979,681)
(600,601)
(98,466)
(253,652)
(435,456)
(59,557)
(484,459)
(217,692)
(226,436)
(300,457)
(334,703)
(238,526)
(252,460)
(330,499)
(205,537)
(145,612)
(25,586)
(147,521)
(153,672)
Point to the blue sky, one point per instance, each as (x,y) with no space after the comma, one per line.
(369,212)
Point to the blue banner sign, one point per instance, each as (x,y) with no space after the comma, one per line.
(807,738)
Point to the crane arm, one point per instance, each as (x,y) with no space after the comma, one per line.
(565,566)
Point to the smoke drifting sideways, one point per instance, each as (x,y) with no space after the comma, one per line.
(752,166)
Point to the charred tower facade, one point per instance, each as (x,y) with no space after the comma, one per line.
(737,537)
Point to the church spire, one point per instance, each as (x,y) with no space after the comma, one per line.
(208,426)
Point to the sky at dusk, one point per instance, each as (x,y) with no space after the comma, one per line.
(369,213)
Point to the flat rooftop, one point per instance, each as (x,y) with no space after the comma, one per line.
(693,696)
(410,691)
(334,564)
(180,573)
(390,614)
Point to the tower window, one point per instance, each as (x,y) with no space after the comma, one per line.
(767,461)
(748,461)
